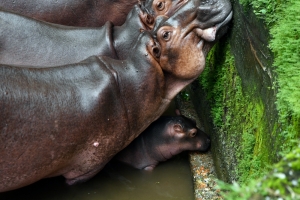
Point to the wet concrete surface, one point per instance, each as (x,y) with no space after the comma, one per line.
(202,164)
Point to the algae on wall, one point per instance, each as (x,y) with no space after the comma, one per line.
(283,21)
(252,83)
(238,117)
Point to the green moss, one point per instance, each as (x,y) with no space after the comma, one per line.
(184,95)
(284,25)
(237,115)
(283,21)
(240,115)
(285,44)
(263,9)
(283,182)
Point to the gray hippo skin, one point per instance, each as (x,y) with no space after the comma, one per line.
(25,41)
(163,139)
(71,120)
(85,13)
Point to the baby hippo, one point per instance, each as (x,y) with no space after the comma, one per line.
(163,139)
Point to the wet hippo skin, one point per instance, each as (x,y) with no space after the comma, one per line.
(85,13)
(71,120)
(33,42)
(163,139)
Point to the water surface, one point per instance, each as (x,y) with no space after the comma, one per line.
(171,180)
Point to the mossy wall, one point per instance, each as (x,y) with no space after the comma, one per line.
(248,97)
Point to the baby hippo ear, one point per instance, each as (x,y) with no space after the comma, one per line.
(177,128)
(178,131)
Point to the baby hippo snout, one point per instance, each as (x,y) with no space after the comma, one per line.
(202,142)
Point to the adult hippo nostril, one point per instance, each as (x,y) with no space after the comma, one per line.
(156,51)
(212,12)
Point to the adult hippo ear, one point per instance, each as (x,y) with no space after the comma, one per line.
(154,8)
(167,7)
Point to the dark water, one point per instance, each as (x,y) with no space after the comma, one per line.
(171,180)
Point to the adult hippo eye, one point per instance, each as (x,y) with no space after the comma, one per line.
(160,6)
(166,35)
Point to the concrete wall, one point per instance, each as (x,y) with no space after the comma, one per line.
(247,97)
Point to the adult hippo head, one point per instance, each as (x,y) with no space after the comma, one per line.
(71,120)
(85,12)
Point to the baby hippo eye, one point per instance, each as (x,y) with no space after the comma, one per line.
(166,35)
(160,5)
(193,132)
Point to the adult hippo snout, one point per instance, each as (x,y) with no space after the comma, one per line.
(212,12)
(207,12)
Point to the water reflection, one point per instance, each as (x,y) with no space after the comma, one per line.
(170,180)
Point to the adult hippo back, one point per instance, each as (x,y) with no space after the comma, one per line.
(87,13)
(25,41)
(71,120)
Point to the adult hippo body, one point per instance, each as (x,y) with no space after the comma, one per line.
(26,41)
(73,12)
(86,13)
(163,139)
(71,120)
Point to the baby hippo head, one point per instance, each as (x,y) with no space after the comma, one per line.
(186,135)
(178,134)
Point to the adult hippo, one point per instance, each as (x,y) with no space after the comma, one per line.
(71,120)
(87,13)
(25,41)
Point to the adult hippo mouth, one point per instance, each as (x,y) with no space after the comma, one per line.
(211,35)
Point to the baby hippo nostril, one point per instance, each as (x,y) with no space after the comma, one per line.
(208,141)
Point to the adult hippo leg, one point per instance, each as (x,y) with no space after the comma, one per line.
(85,13)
